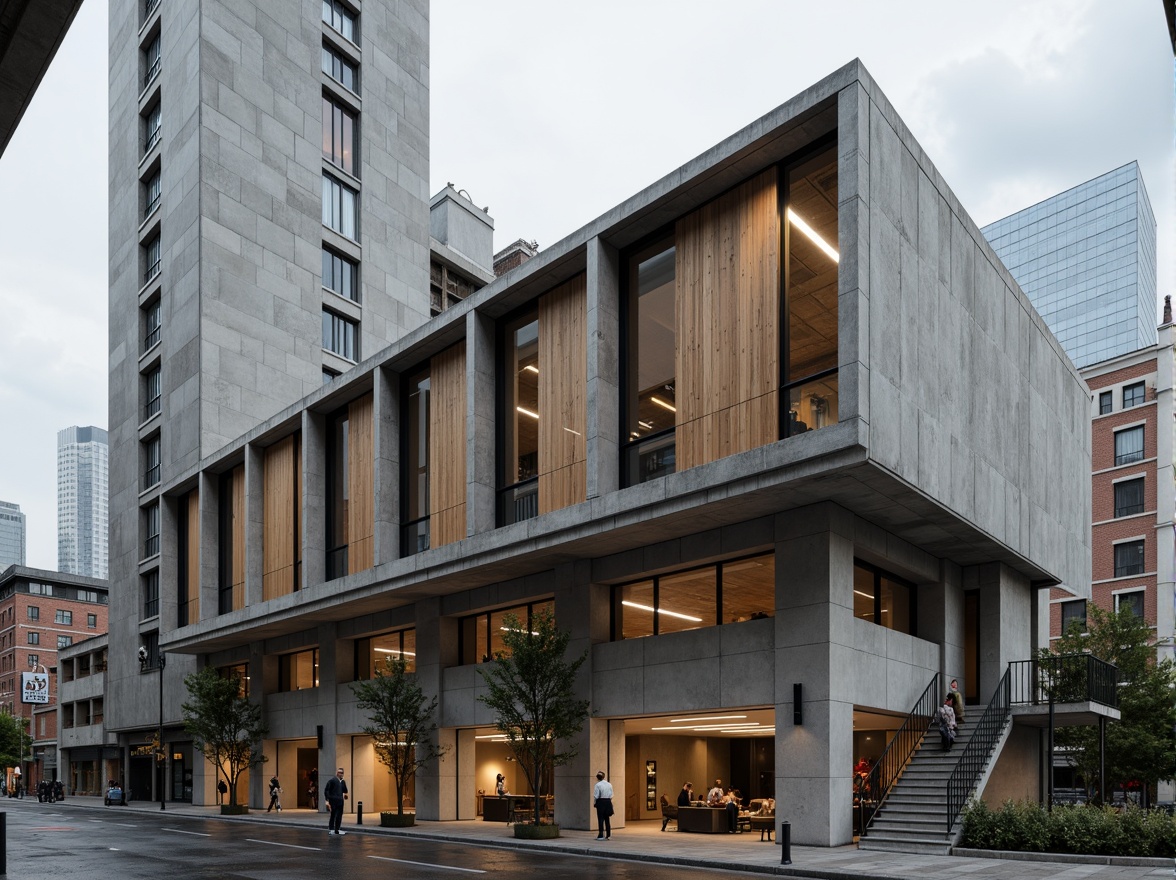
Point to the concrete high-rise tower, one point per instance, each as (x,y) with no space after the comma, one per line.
(12,535)
(83,521)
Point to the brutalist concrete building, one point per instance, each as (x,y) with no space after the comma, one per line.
(778,438)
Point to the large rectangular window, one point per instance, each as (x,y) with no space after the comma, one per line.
(188,559)
(1129,497)
(152,60)
(340,275)
(152,259)
(1134,394)
(151,531)
(152,190)
(415,531)
(150,583)
(298,672)
(340,18)
(481,634)
(338,135)
(1129,445)
(809,365)
(152,392)
(152,128)
(650,359)
(151,449)
(1104,403)
(883,599)
(152,324)
(340,207)
(1128,558)
(340,335)
(1133,602)
(231,564)
(519,478)
(340,69)
(1074,614)
(370,653)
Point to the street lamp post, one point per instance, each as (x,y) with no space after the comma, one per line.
(144,659)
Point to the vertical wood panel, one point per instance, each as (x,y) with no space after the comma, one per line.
(563,407)
(447,446)
(727,270)
(361,485)
(238,538)
(278,519)
(192,563)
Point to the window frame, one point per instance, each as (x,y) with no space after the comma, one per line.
(348,128)
(1106,402)
(348,20)
(341,268)
(1138,394)
(33,612)
(880,574)
(517,500)
(343,64)
(1122,507)
(1132,456)
(340,207)
(1141,593)
(415,532)
(151,529)
(343,331)
(63,616)
(1127,569)
(149,587)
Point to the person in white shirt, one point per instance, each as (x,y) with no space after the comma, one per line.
(714,797)
(602,795)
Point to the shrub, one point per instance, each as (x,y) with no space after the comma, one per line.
(1086,830)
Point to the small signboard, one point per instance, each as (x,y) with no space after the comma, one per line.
(34,687)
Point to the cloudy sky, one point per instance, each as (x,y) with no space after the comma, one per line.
(551,117)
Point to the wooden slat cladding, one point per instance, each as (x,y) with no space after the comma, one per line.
(280,519)
(563,381)
(191,503)
(447,446)
(727,269)
(360,485)
(237,563)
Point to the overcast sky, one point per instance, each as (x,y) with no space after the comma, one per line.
(552,113)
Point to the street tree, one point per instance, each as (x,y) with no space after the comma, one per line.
(225,726)
(1141,746)
(14,739)
(531,689)
(400,722)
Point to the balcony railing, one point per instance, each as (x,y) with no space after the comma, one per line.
(152,139)
(150,408)
(152,337)
(150,548)
(1064,678)
(151,476)
(152,204)
(149,8)
(153,70)
(152,271)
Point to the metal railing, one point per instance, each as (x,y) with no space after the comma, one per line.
(1064,678)
(974,758)
(872,790)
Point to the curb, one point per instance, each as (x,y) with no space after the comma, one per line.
(1064,858)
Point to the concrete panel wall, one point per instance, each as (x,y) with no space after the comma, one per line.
(1017,773)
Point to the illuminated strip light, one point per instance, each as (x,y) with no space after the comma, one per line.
(867,595)
(531,368)
(705,720)
(662,611)
(570,431)
(749,725)
(770,730)
(527,412)
(813,236)
(501,736)
(663,404)
(395,651)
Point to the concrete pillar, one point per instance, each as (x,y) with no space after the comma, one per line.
(437,792)
(465,749)
(941,619)
(263,679)
(386,425)
(335,665)
(209,546)
(254,523)
(481,480)
(603,428)
(814,626)
(1006,603)
(314,503)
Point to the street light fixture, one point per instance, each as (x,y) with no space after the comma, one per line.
(160,755)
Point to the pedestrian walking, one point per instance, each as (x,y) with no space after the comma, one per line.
(335,792)
(602,795)
(221,791)
(312,787)
(275,794)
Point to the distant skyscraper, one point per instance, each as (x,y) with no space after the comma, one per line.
(12,535)
(1087,260)
(83,520)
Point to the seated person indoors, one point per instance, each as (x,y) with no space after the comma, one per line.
(686,795)
(714,797)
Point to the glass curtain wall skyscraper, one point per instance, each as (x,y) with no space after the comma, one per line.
(12,535)
(1086,258)
(83,520)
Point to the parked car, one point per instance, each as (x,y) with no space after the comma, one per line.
(115,795)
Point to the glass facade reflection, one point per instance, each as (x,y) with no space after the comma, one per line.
(1086,259)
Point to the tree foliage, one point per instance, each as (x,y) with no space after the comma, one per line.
(14,739)
(531,689)
(1141,746)
(225,726)
(400,722)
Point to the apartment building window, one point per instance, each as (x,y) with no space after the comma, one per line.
(1129,497)
(338,135)
(151,522)
(341,70)
(339,17)
(340,207)
(151,451)
(34,613)
(446,287)
(63,617)
(481,634)
(34,638)
(64,641)
(1105,402)
(150,587)
(1134,394)
(1132,602)
(1128,558)
(298,672)
(1129,445)
(152,60)
(152,392)
(149,7)
(340,335)
(152,190)
(238,672)
(415,530)
(231,569)
(34,660)
(370,653)
(91,621)
(151,643)
(340,275)
(152,128)
(883,599)
(152,324)
(152,257)
(518,498)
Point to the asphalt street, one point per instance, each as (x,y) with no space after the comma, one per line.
(45,841)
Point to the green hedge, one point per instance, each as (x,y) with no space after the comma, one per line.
(1027,827)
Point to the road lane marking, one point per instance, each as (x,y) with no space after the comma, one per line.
(275,843)
(124,825)
(194,833)
(428,865)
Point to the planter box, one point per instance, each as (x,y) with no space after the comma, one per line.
(395,820)
(527,831)
(234,809)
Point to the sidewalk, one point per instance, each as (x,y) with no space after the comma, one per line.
(644,841)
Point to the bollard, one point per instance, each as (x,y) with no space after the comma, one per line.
(4,844)
(359,813)
(785,843)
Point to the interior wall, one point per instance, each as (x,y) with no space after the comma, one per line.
(679,759)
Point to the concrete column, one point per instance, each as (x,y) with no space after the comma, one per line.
(1165,546)
(941,619)
(386,425)
(209,546)
(254,523)
(438,794)
(467,784)
(335,664)
(314,502)
(1006,603)
(603,369)
(263,679)
(481,480)
(814,626)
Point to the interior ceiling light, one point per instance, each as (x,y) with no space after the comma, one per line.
(813,236)
(531,368)
(527,412)
(754,724)
(663,404)
(395,651)
(570,431)
(662,611)
(867,595)
(705,720)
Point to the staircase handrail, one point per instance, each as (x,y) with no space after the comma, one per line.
(974,757)
(871,790)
